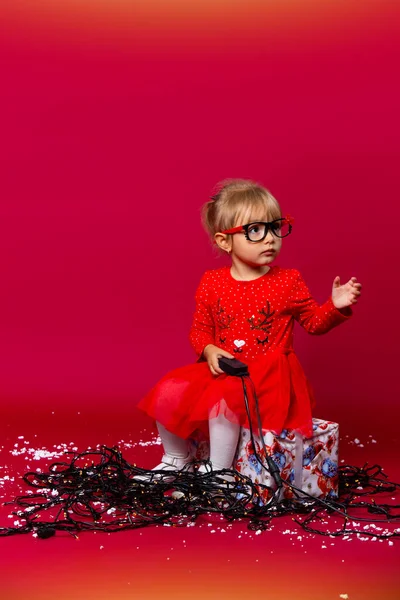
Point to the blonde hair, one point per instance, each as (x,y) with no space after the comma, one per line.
(235,200)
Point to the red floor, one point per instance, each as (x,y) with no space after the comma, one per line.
(212,559)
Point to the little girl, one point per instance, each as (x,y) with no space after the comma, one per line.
(245,311)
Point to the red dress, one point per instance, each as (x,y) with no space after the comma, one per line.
(253,320)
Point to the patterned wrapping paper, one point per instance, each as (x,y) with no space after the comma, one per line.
(310,464)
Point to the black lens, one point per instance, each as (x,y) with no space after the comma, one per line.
(281,228)
(256,232)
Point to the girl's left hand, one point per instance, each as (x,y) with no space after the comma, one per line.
(347,294)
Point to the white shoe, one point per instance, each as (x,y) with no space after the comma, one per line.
(224,478)
(168,463)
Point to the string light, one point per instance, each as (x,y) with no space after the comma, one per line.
(105,497)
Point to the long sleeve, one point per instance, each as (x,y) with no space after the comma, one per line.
(316,319)
(202,331)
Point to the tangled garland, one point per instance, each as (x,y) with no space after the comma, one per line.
(97,491)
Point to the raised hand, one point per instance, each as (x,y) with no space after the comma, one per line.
(346,294)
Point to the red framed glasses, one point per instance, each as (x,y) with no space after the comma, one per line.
(257,231)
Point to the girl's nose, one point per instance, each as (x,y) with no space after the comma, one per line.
(269,237)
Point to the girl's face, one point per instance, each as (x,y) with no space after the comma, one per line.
(256,254)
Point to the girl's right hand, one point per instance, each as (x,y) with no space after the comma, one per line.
(212,353)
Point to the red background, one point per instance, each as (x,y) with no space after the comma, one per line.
(108,153)
(117,124)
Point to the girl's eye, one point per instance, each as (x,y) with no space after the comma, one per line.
(254,229)
(276,225)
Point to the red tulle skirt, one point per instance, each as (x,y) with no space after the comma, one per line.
(186,398)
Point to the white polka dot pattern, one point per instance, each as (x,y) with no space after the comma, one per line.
(249,318)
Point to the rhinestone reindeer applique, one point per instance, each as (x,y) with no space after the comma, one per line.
(264,323)
(223,320)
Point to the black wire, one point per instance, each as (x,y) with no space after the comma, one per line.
(102,495)
(272,467)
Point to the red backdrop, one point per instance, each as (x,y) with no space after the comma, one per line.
(117,119)
(114,132)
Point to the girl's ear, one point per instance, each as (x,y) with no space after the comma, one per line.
(223,241)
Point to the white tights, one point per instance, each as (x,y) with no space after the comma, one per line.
(224,437)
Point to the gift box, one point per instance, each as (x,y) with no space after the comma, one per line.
(309,463)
